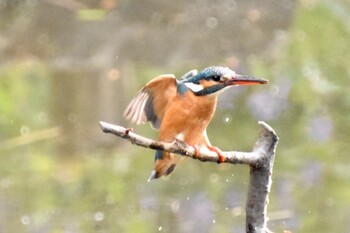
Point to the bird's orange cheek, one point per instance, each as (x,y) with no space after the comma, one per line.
(207,83)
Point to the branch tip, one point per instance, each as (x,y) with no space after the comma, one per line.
(266,128)
(103,126)
(260,161)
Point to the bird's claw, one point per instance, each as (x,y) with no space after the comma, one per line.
(222,157)
(127,131)
(196,151)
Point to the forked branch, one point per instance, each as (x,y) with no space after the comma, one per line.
(260,161)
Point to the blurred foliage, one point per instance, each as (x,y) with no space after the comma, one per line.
(315,59)
(24,88)
(67,64)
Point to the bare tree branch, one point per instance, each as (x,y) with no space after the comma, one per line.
(178,147)
(260,161)
(260,181)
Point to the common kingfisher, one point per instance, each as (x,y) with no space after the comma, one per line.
(182,109)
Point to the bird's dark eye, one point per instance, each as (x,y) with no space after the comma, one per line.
(216,78)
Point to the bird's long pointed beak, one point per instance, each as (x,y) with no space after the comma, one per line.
(239,79)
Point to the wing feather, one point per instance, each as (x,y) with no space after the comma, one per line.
(151,102)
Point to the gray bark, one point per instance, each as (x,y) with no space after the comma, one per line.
(260,161)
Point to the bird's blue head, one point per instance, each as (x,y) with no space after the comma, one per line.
(213,80)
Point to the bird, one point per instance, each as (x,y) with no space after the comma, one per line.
(181,109)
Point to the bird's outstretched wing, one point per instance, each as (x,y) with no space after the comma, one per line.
(151,102)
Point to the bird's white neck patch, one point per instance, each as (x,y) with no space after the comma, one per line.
(180,136)
(194,87)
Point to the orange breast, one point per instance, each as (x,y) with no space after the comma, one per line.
(187,116)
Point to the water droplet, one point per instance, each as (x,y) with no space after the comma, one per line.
(24,130)
(212,22)
(214,177)
(214,221)
(231,5)
(42,117)
(188,198)
(25,220)
(99,216)
(227,119)
(175,205)
(274,89)
(227,180)
(160,228)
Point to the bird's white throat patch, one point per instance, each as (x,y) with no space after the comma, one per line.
(194,87)
(180,136)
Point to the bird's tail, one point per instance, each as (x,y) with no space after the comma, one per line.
(164,164)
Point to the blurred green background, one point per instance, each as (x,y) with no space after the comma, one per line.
(67,64)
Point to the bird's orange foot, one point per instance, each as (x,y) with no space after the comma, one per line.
(222,157)
(196,151)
